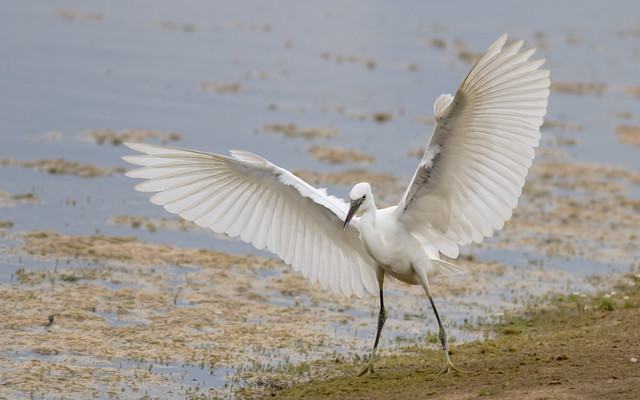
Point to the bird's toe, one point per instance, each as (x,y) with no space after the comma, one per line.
(367,370)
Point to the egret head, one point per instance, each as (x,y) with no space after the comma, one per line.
(358,196)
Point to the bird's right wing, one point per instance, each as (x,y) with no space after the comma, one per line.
(247,196)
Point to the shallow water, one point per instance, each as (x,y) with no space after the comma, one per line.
(332,64)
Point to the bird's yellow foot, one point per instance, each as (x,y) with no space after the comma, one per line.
(449,369)
(368,369)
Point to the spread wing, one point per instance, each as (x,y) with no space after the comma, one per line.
(473,170)
(247,196)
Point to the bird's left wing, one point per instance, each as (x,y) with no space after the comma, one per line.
(473,170)
(247,196)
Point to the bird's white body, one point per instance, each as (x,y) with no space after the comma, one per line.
(393,247)
(390,245)
(465,187)
(395,250)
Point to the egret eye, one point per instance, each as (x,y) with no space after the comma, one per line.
(364,196)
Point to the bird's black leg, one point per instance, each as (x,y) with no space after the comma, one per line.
(442,334)
(443,339)
(382,317)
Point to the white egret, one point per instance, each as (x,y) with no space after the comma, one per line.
(465,187)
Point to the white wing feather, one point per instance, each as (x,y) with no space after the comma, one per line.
(473,170)
(247,196)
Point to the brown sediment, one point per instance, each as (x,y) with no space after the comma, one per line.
(601,224)
(558,141)
(221,87)
(628,134)
(63,167)
(255,75)
(253,27)
(8,199)
(573,175)
(632,90)
(563,126)
(154,224)
(176,27)
(581,88)
(334,155)
(49,245)
(459,47)
(469,56)
(377,116)
(340,59)
(108,135)
(624,114)
(436,42)
(411,66)
(51,136)
(424,120)
(416,153)
(73,15)
(542,42)
(381,116)
(293,130)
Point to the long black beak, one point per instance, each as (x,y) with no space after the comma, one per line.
(355,204)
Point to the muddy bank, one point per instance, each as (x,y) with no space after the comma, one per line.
(108,135)
(62,167)
(579,347)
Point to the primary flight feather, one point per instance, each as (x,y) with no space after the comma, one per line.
(465,187)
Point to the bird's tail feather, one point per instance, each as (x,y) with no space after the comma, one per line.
(446,268)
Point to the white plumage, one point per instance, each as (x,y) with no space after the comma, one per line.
(247,196)
(465,187)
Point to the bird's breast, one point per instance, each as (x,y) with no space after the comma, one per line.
(393,252)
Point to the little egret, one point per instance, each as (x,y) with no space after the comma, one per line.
(466,186)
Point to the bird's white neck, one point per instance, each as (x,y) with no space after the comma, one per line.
(369,209)
(368,232)
(369,216)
